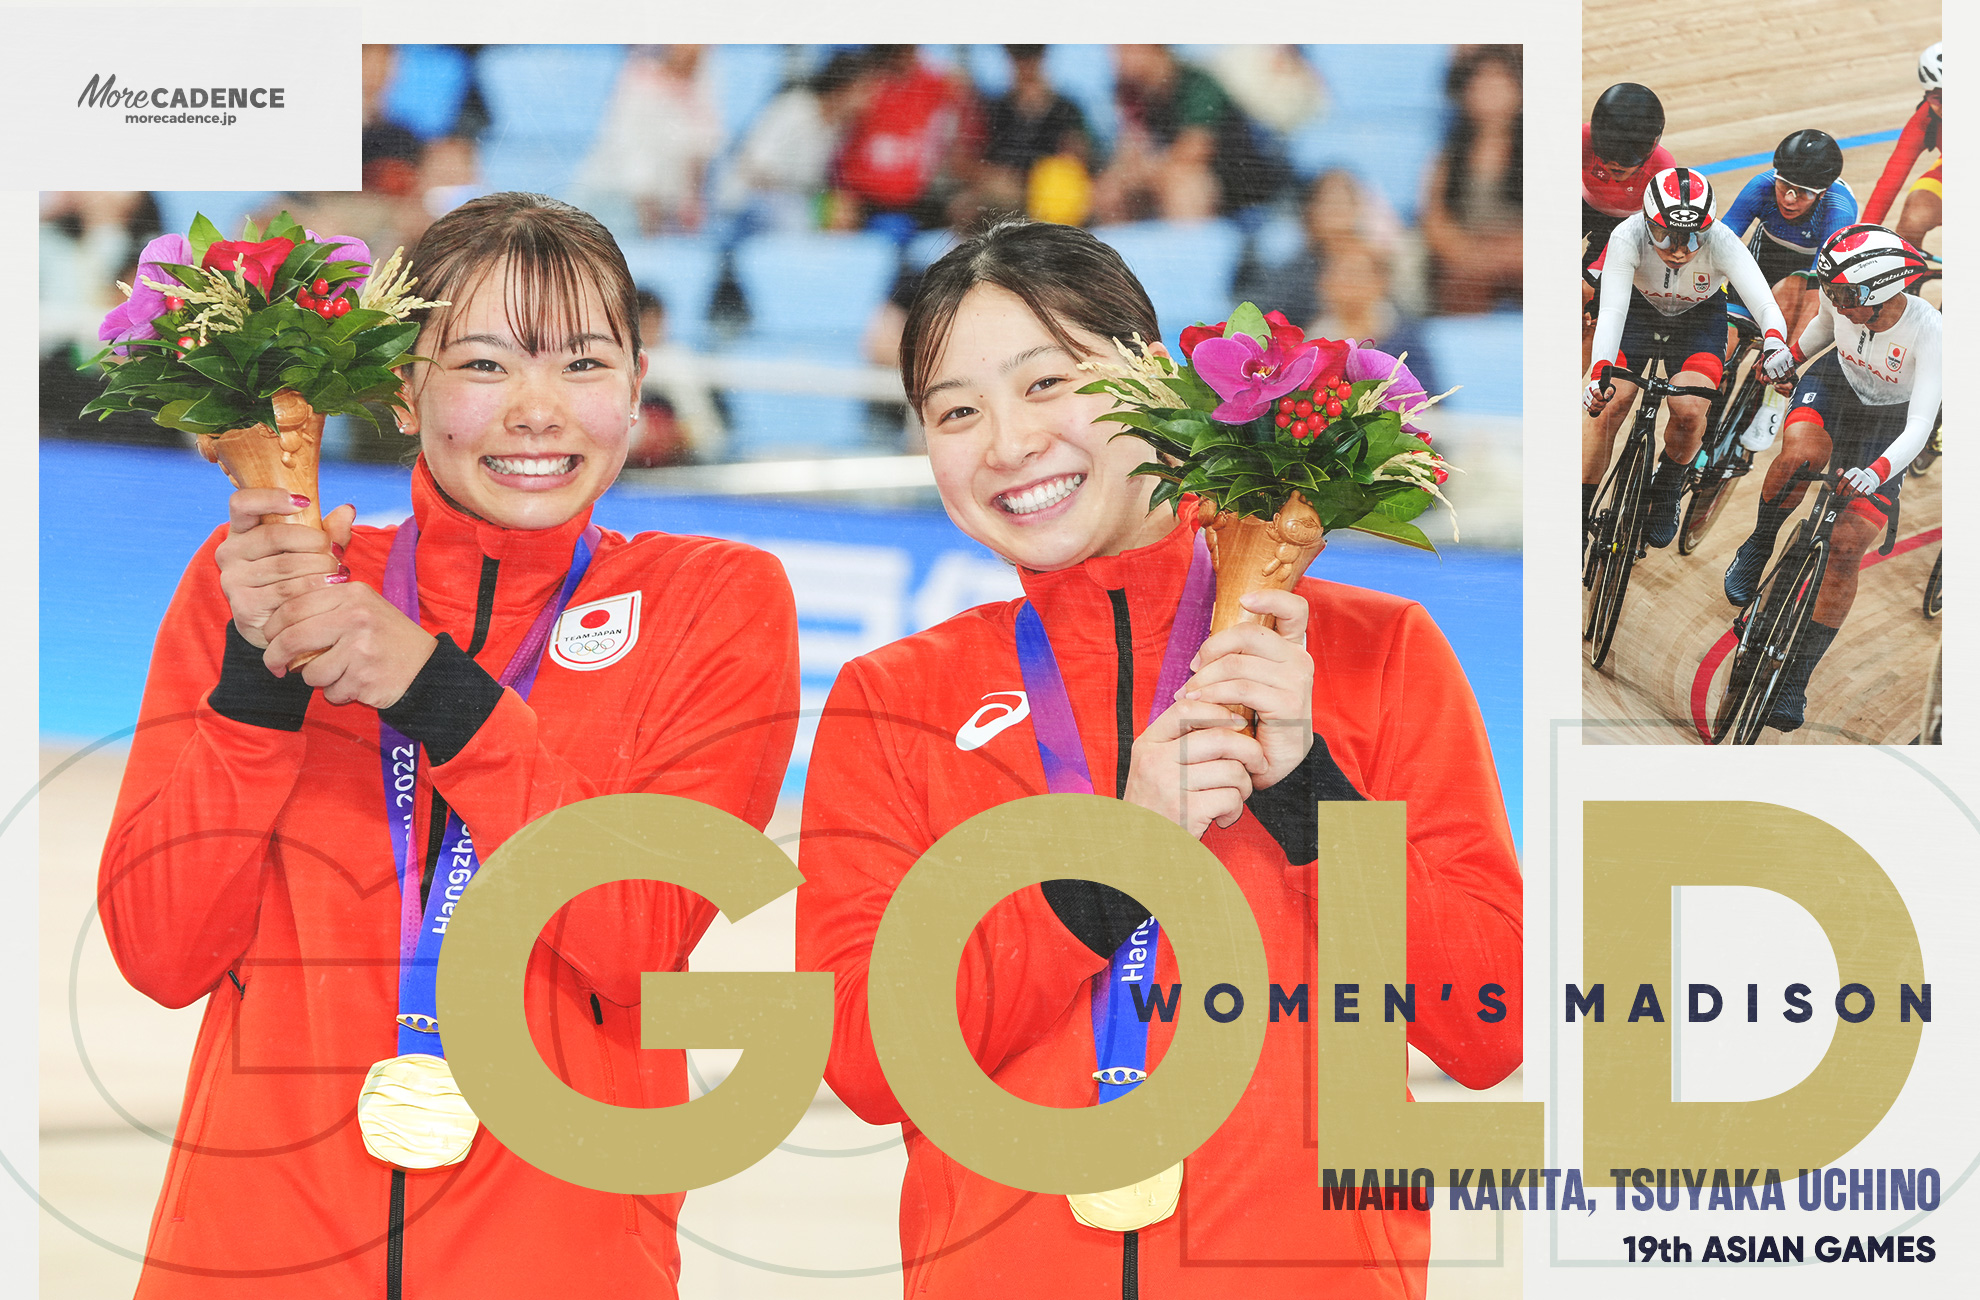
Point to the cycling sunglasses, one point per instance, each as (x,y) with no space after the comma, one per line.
(1662,237)
(1843,294)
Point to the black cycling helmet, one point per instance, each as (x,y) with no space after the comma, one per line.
(1626,123)
(1810,160)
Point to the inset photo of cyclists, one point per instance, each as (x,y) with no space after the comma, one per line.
(1761,493)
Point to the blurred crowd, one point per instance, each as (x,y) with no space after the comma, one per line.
(1311,182)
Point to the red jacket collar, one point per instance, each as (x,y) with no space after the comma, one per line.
(1075,606)
(452,545)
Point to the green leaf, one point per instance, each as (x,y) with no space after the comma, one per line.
(189,276)
(203,235)
(1247,319)
(218,367)
(1377,525)
(250,233)
(215,410)
(283,226)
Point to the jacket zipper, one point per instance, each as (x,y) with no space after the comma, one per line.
(1123,755)
(436,828)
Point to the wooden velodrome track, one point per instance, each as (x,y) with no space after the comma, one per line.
(1733,82)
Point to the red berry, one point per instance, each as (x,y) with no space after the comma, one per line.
(1425,437)
(1285,407)
(1299,429)
(186,341)
(1443,474)
(1344,392)
(320,288)
(1304,408)
(304,301)
(175,304)
(1333,409)
(1282,419)
(1330,381)
(341,306)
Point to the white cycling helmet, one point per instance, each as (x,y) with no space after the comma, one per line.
(1931,65)
(1678,206)
(1866,266)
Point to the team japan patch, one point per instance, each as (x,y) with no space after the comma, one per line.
(598,635)
(1896,359)
(1701,281)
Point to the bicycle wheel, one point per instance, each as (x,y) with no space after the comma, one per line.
(1619,525)
(1726,460)
(1935,594)
(1768,644)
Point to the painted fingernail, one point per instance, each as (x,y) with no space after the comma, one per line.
(337,550)
(341,575)
(300,501)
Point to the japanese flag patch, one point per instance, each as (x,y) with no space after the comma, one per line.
(598,635)
(1896,359)
(1701,281)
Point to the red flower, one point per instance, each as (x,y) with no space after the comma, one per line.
(258,263)
(1333,355)
(1195,334)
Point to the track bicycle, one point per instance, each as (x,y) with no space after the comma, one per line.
(1723,457)
(1935,586)
(1613,530)
(1770,630)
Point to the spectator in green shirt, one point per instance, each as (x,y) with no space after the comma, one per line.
(1185,150)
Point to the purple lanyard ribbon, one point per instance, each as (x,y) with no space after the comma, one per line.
(423,930)
(1120,1032)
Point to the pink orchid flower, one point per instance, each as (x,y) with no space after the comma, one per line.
(1250,375)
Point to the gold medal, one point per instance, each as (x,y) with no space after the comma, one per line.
(1130,1208)
(412,1114)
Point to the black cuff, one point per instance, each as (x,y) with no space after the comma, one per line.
(1286,810)
(446,704)
(249,693)
(1099,916)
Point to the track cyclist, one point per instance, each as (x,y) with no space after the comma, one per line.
(1924,206)
(1619,154)
(1660,278)
(1867,407)
(1798,203)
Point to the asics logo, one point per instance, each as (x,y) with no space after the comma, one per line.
(992,718)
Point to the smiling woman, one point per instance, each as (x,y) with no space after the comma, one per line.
(1095,683)
(249,851)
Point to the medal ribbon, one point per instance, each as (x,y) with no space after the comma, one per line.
(421,932)
(1120,1035)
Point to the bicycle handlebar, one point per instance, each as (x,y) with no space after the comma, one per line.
(1833,477)
(1650,384)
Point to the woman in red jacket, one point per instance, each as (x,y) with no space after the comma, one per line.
(493,658)
(1358,695)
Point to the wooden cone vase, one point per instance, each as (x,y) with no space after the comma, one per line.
(1251,554)
(284,457)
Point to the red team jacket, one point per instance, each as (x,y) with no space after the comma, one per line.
(252,864)
(888,777)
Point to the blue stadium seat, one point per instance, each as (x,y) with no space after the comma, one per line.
(1187,268)
(1390,153)
(810,297)
(1381,79)
(224,208)
(548,93)
(533,165)
(427,86)
(990,68)
(820,288)
(683,271)
(746,77)
(1085,75)
(1484,357)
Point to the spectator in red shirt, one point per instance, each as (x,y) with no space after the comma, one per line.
(903,151)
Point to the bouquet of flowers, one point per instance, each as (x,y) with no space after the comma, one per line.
(251,343)
(1280,438)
